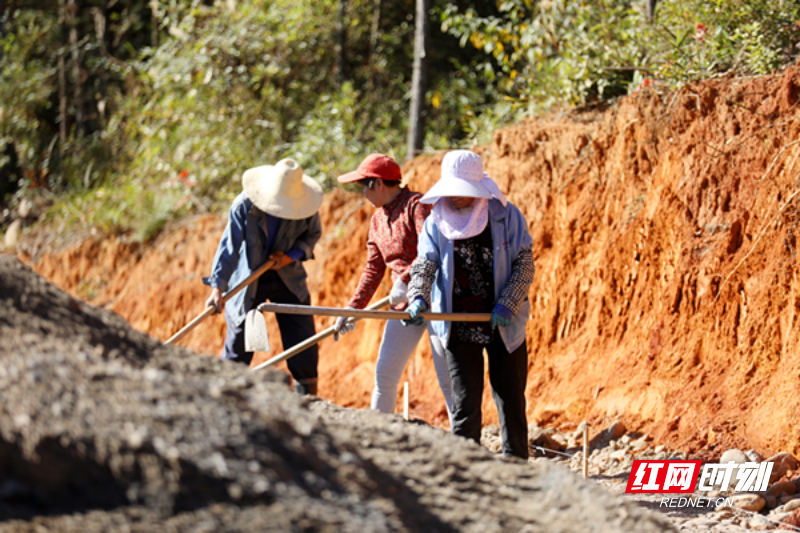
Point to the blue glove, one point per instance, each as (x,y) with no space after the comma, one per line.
(501,316)
(417,306)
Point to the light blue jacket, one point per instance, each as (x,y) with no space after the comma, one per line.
(244,247)
(510,235)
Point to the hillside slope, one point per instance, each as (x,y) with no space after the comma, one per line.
(666,289)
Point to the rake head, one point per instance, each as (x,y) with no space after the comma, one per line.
(256,338)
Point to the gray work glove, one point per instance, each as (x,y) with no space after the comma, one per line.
(343,327)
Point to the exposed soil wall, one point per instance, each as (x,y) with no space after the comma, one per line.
(666,290)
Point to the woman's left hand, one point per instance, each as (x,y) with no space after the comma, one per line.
(501,316)
(417,306)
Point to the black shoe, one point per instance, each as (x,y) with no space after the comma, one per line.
(307,386)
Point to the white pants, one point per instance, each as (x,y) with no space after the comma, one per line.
(397,345)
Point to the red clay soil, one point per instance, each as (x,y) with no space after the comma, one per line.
(666,292)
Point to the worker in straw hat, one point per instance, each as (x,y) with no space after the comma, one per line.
(392,244)
(475,256)
(274,218)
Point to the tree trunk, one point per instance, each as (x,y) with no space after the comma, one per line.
(62,85)
(374,27)
(651,10)
(76,69)
(154,23)
(100,30)
(341,38)
(373,43)
(419,82)
(2,26)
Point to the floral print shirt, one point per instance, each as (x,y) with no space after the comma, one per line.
(473,285)
(392,243)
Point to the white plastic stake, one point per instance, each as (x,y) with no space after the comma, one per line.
(405,400)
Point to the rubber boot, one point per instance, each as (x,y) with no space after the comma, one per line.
(307,386)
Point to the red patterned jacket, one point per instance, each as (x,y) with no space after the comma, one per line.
(392,243)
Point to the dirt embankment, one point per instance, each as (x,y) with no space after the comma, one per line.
(666,291)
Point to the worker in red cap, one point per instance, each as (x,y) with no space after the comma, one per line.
(392,243)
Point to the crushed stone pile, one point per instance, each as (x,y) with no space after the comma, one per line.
(103,428)
(612,452)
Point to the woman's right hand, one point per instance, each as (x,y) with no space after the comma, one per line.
(215,300)
(343,327)
(397,295)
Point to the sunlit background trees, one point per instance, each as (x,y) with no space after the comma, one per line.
(125,114)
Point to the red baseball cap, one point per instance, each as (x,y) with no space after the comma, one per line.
(374,166)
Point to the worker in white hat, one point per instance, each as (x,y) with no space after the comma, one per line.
(475,256)
(274,218)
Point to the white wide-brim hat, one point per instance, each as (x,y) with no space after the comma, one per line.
(462,175)
(283,190)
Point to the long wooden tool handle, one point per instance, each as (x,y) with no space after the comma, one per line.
(225,297)
(289,309)
(311,341)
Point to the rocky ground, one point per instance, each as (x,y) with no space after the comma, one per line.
(103,428)
(613,450)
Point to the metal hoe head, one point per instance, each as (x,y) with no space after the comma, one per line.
(256,338)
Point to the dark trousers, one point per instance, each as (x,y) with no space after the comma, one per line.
(508,375)
(294,330)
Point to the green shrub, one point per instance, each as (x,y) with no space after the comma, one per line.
(541,54)
(25,96)
(176,107)
(338,133)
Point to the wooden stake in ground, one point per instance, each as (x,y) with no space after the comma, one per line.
(405,400)
(585,450)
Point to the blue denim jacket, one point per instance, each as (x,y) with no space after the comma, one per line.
(245,237)
(510,235)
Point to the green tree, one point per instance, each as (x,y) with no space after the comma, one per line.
(136,112)
(540,54)
(55,82)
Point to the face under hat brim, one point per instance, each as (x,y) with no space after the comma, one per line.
(451,186)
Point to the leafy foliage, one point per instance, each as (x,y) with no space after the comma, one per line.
(25,95)
(162,112)
(227,93)
(545,53)
(228,86)
(32,39)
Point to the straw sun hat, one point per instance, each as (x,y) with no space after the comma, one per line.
(283,190)
(462,175)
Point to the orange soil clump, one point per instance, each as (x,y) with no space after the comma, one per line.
(666,291)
